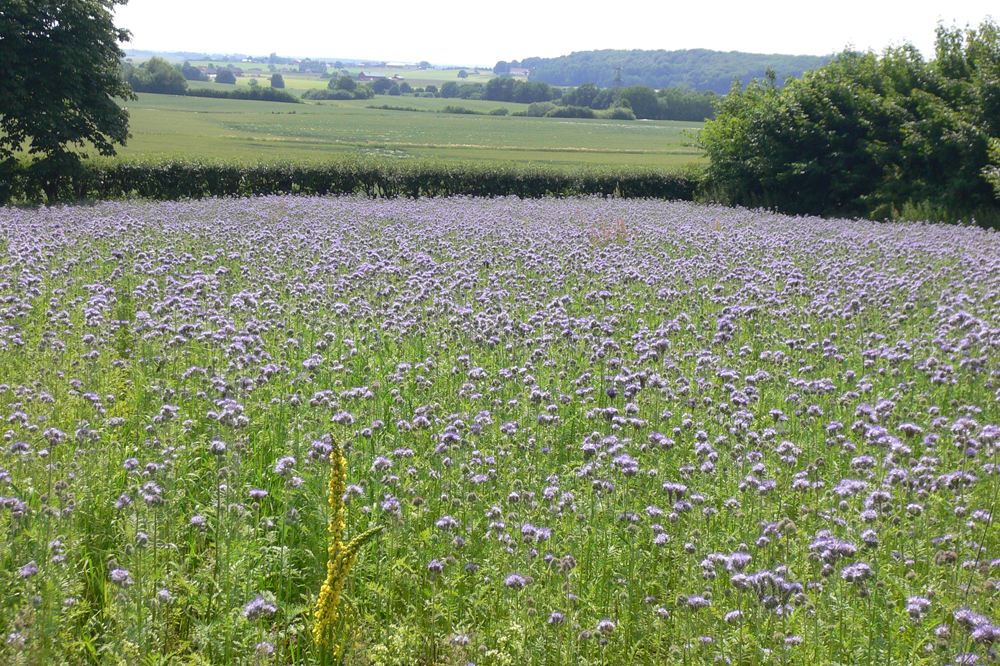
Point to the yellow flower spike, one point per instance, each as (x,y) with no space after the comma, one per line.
(340,557)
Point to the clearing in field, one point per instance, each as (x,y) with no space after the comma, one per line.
(570,431)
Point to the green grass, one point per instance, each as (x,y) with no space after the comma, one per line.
(171,126)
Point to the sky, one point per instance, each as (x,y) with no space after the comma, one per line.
(466,33)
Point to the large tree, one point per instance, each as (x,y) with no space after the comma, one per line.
(62,77)
(868,134)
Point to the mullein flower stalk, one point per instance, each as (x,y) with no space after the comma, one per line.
(340,557)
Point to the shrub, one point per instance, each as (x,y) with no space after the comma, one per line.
(571,112)
(618,113)
(326,93)
(257,94)
(539,109)
(452,108)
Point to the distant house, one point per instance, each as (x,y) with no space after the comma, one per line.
(519,71)
(236,71)
(397,77)
(207,71)
(371,76)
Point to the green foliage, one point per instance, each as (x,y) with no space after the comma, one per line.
(454,108)
(191,73)
(256,93)
(327,93)
(679,104)
(449,89)
(866,134)
(539,109)
(431,88)
(665,104)
(381,86)
(62,64)
(389,107)
(571,112)
(344,82)
(499,111)
(693,69)
(225,75)
(582,96)
(642,100)
(462,74)
(156,76)
(169,180)
(619,113)
(277,81)
(505,89)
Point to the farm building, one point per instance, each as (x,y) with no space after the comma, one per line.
(371,76)
(519,71)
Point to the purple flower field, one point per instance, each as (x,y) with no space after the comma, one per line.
(595,431)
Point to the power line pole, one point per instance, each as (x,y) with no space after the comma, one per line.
(618,85)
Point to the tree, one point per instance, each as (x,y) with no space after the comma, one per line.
(277,81)
(499,89)
(394,89)
(191,73)
(155,76)
(344,82)
(253,83)
(462,74)
(866,135)
(431,89)
(381,86)
(642,101)
(405,87)
(62,77)
(225,75)
(424,65)
(581,96)
(449,89)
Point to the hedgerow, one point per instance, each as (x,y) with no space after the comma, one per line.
(192,179)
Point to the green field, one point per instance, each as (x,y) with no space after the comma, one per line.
(171,126)
(297,81)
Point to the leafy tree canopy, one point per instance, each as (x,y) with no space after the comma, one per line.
(62,65)
(868,134)
(344,82)
(695,69)
(225,75)
(277,81)
(155,76)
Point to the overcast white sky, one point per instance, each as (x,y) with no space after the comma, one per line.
(467,33)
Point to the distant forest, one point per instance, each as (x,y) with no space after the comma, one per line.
(693,69)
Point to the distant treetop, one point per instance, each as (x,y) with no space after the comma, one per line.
(694,69)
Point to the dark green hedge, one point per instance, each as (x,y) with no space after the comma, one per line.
(372,177)
(257,94)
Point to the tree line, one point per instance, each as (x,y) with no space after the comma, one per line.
(868,134)
(690,69)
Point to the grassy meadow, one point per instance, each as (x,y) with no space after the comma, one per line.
(590,431)
(172,126)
